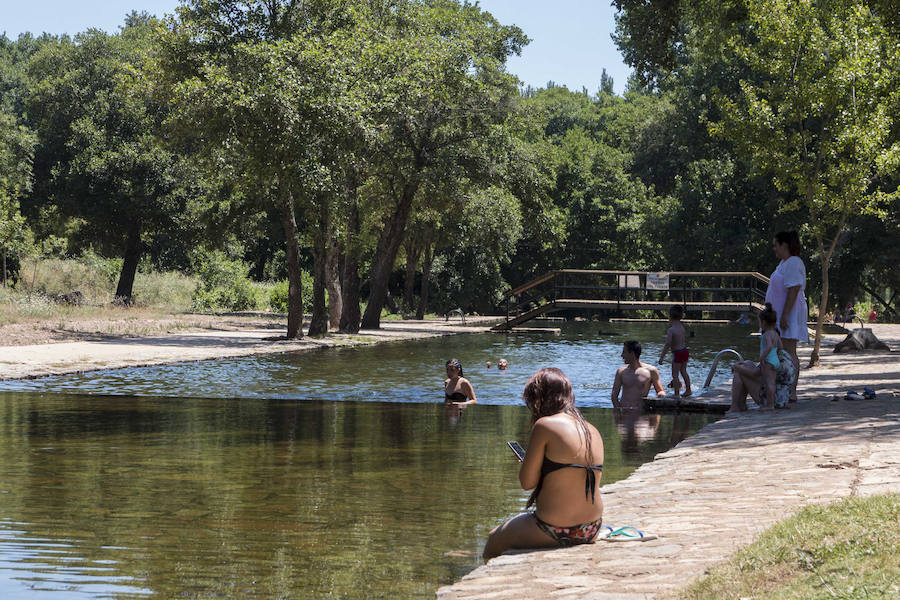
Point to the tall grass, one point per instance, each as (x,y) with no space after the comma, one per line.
(43,280)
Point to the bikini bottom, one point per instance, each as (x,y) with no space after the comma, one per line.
(571,536)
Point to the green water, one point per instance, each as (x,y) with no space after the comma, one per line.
(336,474)
(123,497)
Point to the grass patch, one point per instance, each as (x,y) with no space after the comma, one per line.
(843,550)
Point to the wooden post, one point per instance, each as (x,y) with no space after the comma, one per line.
(507,313)
(618,295)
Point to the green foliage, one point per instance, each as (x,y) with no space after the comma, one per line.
(223,284)
(98,159)
(816,115)
(278,295)
(108,267)
(16,151)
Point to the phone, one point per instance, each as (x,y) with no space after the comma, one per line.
(517,449)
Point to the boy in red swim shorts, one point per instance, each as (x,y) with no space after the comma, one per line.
(675,341)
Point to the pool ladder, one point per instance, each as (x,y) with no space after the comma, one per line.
(712,369)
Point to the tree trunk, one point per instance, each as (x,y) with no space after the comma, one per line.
(333,283)
(413,251)
(295,289)
(385,255)
(125,288)
(318,322)
(823,305)
(350,279)
(4,269)
(426,274)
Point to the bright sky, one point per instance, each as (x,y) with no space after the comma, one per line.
(570,45)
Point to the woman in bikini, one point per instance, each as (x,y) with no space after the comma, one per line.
(457,389)
(563,464)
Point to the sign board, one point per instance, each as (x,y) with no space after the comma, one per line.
(630,281)
(657,281)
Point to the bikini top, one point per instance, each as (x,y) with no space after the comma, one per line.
(455,396)
(548,466)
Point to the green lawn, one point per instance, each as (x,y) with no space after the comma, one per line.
(844,550)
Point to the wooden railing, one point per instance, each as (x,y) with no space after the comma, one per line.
(697,291)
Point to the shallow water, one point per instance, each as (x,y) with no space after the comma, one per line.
(123,497)
(241,478)
(413,371)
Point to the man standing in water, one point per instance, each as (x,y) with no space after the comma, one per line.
(634,379)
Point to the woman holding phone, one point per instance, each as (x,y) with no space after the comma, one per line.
(562,464)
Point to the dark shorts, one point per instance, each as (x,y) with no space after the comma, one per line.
(571,536)
(681,356)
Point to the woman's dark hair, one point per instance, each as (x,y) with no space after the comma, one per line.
(792,239)
(768,315)
(454,362)
(549,392)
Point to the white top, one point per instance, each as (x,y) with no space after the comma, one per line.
(790,273)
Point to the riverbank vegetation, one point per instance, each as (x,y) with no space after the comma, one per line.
(842,550)
(337,158)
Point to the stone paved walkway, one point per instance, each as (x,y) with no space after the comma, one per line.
(716,491)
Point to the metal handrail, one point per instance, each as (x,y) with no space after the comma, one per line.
(552,274)
(712,369)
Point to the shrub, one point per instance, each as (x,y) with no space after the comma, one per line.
(223,284)
(169,289)
(278,295)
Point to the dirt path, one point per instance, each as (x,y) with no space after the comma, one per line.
(716,491)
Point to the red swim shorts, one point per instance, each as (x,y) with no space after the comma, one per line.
(681,356)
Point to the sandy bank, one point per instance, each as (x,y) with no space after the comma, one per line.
(236,339)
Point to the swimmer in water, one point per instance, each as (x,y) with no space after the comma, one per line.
(634,379)
(457,389)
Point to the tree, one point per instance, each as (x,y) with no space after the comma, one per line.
(817,115)
(16,150)
(98,157)
(446,90)
(256,79)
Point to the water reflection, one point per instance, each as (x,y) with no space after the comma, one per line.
(124,497)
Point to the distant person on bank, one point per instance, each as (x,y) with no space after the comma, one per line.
(786,295)
(457,388)
(563,464)
(634,379)
(676,342)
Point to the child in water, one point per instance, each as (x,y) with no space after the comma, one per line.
(769,345)
(675,341)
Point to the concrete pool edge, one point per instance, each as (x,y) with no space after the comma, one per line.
(65,358)
(717,490)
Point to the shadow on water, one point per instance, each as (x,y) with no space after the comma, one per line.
(127,497)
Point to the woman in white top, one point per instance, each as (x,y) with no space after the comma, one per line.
(786,295)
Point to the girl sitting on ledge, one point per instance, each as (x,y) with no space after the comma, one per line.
(563,464)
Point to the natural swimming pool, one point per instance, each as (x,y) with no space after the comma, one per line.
(159,491)
(413,371)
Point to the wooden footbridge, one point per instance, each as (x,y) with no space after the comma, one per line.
(615,292)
